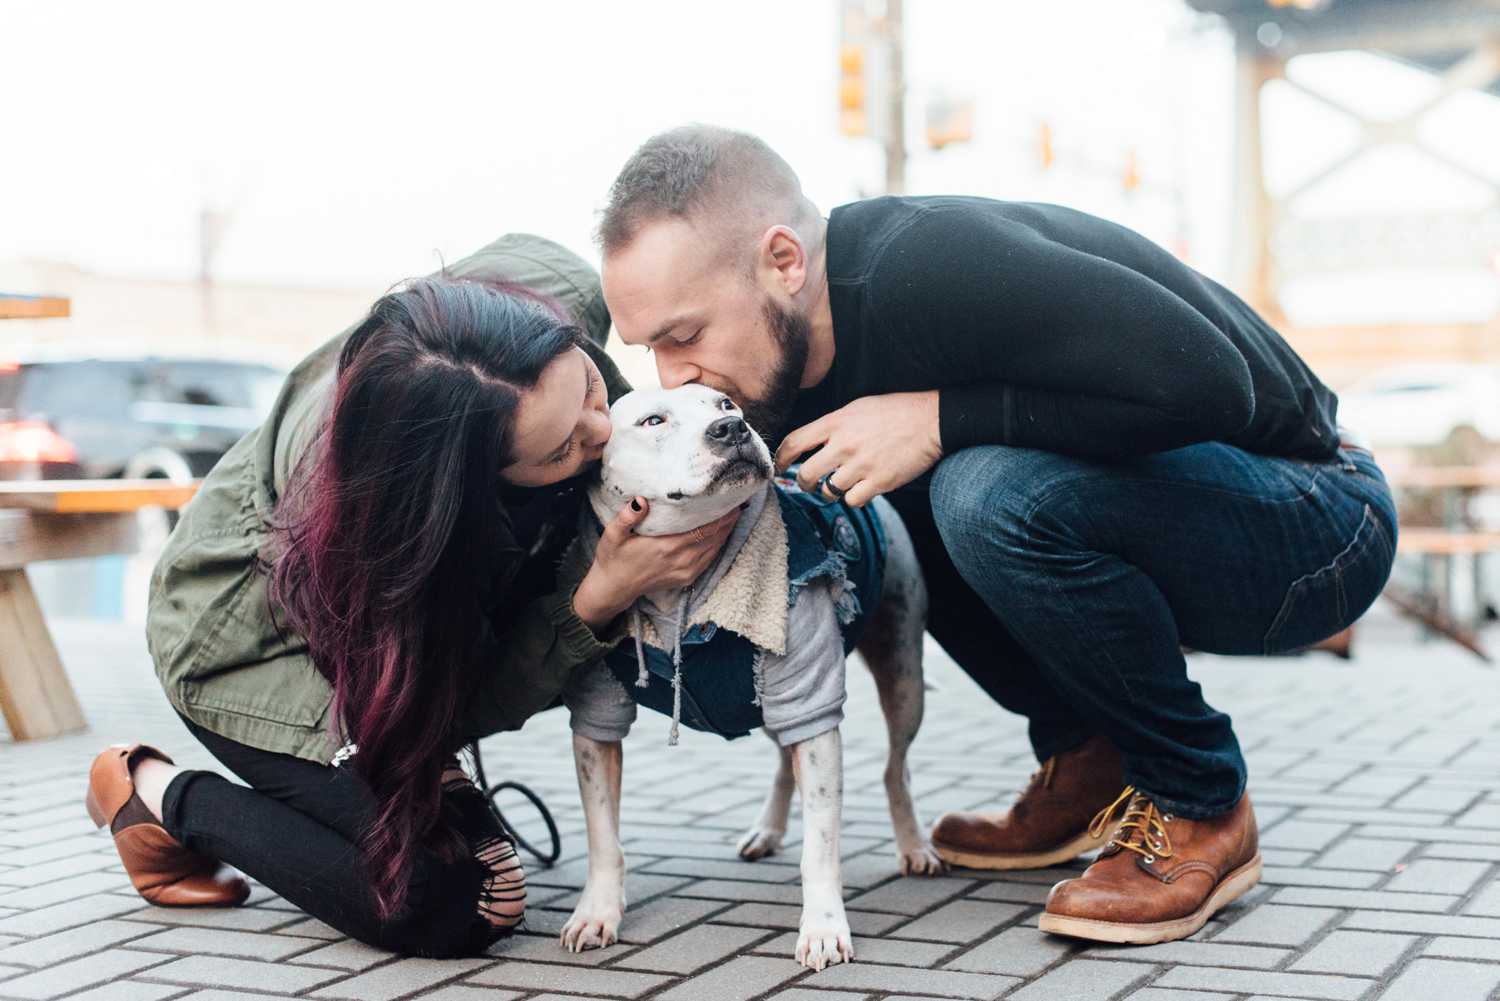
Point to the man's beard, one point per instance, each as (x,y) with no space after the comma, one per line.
(769,413)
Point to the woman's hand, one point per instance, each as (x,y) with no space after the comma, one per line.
(627,565)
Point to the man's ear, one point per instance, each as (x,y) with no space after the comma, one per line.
(782,259)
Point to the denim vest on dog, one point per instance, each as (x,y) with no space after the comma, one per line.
(826,540)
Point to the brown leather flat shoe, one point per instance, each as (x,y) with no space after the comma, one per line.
(1049,823)
(161,869)
(1160,878)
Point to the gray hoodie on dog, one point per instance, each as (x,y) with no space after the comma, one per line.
(801,688)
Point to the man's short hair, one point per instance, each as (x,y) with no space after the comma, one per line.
(731,179)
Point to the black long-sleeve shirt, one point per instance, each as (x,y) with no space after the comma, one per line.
(1048,328)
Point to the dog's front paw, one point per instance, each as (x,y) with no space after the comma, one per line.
(759,842)
(919,860)
(824,938)
(595,922)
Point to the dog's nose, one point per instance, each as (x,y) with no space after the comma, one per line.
(728,431)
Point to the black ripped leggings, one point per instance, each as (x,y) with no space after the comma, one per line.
(298,832)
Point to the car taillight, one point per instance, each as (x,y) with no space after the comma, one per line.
(33,441)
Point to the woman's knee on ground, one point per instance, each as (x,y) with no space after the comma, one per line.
(502,894)
(502,890)
(459,907)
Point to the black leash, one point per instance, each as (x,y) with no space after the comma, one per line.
(547,859)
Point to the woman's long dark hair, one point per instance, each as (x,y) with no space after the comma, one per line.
(387,534)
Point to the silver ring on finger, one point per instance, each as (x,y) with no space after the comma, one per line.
(698,535)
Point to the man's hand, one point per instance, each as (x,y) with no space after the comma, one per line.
(874,445)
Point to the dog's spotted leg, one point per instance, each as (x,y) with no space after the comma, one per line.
(595,921)
(892,649)
(823,937)
(766,834)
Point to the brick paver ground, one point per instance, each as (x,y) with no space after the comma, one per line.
(1376,785)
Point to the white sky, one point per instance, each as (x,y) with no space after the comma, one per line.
(357,142)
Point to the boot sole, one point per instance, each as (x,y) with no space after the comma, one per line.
(1230,889)
(1065,852)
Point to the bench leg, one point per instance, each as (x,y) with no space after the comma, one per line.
(35,694)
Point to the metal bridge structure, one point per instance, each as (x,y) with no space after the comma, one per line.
(1458,43)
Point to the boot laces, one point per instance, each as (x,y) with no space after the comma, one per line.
(1143,828)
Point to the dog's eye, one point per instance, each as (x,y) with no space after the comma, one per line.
(727,404)
(651,421)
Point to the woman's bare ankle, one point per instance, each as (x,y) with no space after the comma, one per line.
(151,776)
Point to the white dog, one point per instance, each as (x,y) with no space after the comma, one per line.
(690,453)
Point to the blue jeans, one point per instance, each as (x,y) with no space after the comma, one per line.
(1067,589)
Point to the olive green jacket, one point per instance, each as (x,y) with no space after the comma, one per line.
(218,652)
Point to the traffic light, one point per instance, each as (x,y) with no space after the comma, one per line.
(1132,179)
(864,72)
(854,91)
(949,121)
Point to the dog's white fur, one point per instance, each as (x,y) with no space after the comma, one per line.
(660,449)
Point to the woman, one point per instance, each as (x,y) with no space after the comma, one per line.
(364,585)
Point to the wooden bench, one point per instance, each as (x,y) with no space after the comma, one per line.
(1458,534)
(58,520)
(33,307)
(1445,478)
(1446,543)
(1437,547)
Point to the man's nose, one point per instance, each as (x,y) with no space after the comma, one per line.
(728,431)
(673,374)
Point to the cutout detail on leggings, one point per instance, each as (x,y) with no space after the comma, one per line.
(502,893)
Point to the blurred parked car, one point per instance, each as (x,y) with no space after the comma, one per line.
(1420,406)
(89,416)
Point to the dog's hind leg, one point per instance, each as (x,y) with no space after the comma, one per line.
(766,834)
(892,649)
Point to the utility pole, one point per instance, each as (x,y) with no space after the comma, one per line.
(895,129)
(213,223)
(872,84)
(1254,211)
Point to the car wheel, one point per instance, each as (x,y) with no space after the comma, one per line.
(169,515)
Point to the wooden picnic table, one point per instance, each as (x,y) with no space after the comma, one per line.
(58,520)
(33,307)
(1460,534)
(1445,478)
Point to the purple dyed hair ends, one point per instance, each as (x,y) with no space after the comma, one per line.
(389,539)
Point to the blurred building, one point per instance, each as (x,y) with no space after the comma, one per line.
(1431,229)
(273,323)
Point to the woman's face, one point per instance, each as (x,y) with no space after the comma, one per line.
(561,424)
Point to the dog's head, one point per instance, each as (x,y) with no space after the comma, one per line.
(687,450)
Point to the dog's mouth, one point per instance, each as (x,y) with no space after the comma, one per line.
(739,468)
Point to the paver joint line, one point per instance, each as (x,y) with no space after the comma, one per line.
(1380,815)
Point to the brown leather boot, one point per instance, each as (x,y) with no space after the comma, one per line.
(162,870)
(1160,878)
(1050,821)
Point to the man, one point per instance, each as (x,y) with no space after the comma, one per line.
(1103,456)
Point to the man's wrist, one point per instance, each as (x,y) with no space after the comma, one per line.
(933,400)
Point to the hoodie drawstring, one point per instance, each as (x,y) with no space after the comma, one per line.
(672,734)
(643,677)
